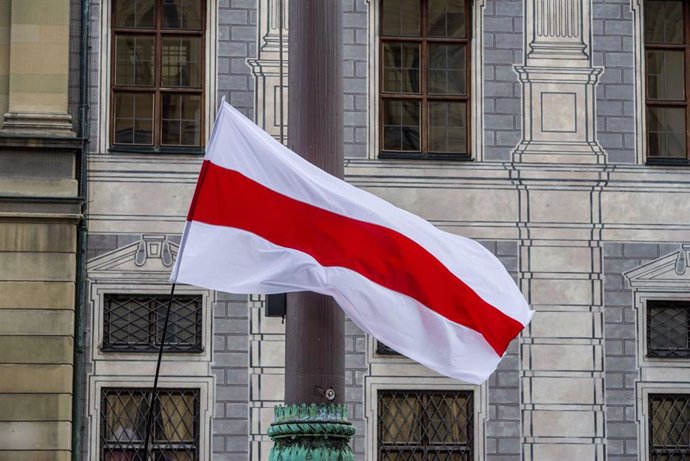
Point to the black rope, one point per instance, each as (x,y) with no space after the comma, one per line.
(149,416)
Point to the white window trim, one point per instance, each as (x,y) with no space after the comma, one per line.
(135,369)
(658,375)
(206,386)
(103,360)
(210,77)
(641,300)
(374,384)
(476,82)
(640,90)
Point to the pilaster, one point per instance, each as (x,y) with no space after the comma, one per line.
(562,356)
(270,68)
(4,54)
(558,85)
(38,69)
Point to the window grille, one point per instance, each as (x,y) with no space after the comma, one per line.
(425,425)
(382,349)
(175,429)
(134,323)
(669,427)
(668,329)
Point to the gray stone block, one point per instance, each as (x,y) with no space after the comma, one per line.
(621,430)
(232,393)
(237,444)
(641,250)
(509,445)
(495,24)
(218,443)
(616,27)
(231,359)
(509,9)
(236,376)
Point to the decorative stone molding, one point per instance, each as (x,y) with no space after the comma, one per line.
(270,68)
(559,122)
(668,272)
(316,432)
(556,31)
(558,83)
(152,256)
(38,124)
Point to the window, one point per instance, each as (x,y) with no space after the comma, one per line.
(175,433)
(134,323)
(382,349)
(667,56)
(157,74)
(668,329)
(425,425)
(669,427)
(424,79)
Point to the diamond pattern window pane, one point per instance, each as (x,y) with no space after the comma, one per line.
(175,433)
(134,323)
(669,427)
(668,329)
(425,425)
(385,350)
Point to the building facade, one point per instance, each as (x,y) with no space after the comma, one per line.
(552,131)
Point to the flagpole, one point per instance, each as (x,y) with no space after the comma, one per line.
(315,324)
(149,415)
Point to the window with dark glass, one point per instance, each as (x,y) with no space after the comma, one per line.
(157,74)
(382,349)
(668,329)
(175,428)
(134,323)
(666,49)
(425,425)
(424,83)
(669,427)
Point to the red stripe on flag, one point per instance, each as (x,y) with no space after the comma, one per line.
(228,198)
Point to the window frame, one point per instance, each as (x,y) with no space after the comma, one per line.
(472,98)
(206,35)
(106,283)
(643,93)
(145,392)
(424,444)
(657,354)
(650,398)
(152,345)
(413,377)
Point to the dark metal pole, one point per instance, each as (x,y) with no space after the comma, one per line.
(315,327)
(315,347)
(152,397)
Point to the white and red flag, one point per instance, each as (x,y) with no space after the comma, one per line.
(264,220)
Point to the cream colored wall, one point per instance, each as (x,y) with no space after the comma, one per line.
(37,274)
(4,56)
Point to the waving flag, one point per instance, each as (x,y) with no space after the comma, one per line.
(264,220)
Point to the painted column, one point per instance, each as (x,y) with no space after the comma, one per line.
(4,54)
(558,83)
(562,356)
(39,68)
(270,68)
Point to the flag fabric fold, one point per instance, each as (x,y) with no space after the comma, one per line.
(263,220)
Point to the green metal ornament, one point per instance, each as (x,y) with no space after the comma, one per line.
(311,432)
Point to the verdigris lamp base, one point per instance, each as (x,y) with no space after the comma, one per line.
(311,432)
